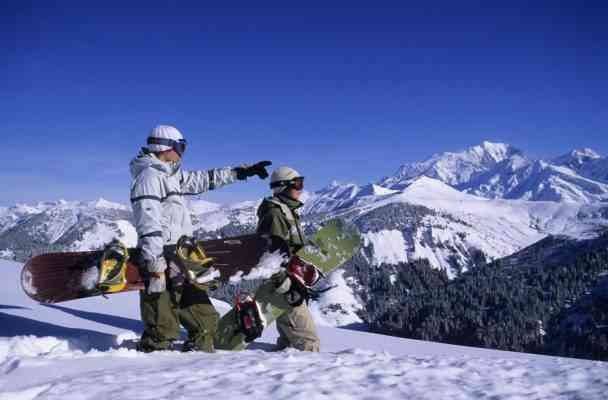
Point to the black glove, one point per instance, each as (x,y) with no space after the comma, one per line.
(258,169)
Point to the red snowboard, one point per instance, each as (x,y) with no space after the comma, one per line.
(57,277)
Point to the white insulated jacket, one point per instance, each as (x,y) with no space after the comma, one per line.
(160,211)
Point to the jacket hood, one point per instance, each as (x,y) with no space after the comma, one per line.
(145,159)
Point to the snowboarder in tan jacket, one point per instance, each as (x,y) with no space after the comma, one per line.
(278,217)
(161,217)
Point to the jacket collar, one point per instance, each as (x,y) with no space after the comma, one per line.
(291,203)
(146,159)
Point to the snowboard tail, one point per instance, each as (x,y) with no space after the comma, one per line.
(58,277)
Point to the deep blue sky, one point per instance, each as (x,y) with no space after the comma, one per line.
(345,92)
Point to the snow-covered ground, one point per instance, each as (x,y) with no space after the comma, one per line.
(72,351)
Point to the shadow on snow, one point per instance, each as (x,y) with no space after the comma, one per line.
(127,324)
(9,307)
(82,339)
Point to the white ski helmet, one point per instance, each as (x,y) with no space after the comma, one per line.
(166,137)
(282,177)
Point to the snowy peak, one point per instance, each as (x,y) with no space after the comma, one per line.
(493,151)
(586,163)
(332,197)
(577,158)
(425,187)
(543,181)
(454,168)
(375,190)
(586,152)
(105,204)
(336,197)
(338,190)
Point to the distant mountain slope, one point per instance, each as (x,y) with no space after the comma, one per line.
(587,163)
(64,226)
(426,218)
(429,219)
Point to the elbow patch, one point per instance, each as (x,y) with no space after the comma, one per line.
(211,174)
(139,198)
(152,234)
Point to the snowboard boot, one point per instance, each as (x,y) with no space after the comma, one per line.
(146,348)
(188,346)
(159,316)
(281,344)
(202,343)
(147,344)
(199,317)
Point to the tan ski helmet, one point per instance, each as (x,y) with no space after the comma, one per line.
(282,177)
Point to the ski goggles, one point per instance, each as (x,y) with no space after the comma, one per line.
(295,183)
(178,145)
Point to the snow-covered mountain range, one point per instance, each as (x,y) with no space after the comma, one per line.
(498,170)
(455,209)
(490,198)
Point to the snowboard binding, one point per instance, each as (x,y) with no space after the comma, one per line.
(191,255)
(303,277)
(249,318)
(307,274)
(113,268)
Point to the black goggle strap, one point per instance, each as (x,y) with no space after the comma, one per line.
(178,145)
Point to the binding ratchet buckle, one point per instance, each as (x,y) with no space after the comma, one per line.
(192,257)
(249,317)
(113,268)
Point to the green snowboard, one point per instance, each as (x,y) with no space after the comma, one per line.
(333,245)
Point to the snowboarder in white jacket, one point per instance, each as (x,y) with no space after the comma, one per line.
(161,217)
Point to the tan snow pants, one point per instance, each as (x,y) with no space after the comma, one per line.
(297,329)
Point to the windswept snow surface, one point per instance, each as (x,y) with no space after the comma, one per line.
(70,351)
